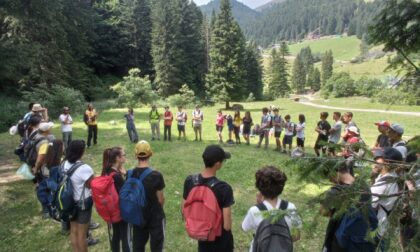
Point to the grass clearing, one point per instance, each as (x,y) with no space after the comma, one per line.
(23,229)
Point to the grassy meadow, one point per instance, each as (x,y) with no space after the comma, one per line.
(22,228)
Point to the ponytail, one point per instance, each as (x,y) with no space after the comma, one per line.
(110,158)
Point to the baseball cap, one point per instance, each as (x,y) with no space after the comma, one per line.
(389,153)
(397,128)
(214,153)
(383,123)
(66,108)
(45,126)
(353,129)
(143,149)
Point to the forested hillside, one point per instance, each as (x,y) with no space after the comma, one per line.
(242,13)
(294,19)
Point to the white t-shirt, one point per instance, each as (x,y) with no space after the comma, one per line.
(335,136)
(65,127)
(300,130)
(79,178)
(384,187)
(197,117)
(180,117)
(401,148)
(289,126)
(254,217)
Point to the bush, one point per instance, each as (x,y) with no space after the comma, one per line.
(339,85)
(11,111)
(55,98)
(176,100)
(250,98)
(185,98)
(393,96)
(368,87)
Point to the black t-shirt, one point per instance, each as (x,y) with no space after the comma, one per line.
(118,179)
(224,195)
(324,126)
(152,183)
(383,141)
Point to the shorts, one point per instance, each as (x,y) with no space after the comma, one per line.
(246,131)
(331,146)
(82,216)
(300,142)
(197,126)
(230,127)
(219,128)
(287,139)
(321,143)
(181,128)
(277,134)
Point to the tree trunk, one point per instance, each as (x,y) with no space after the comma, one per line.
(227,105)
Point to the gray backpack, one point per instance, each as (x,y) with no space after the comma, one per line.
(273,236)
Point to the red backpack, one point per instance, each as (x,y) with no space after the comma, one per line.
(201,211)
(106,198)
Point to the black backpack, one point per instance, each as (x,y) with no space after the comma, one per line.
(30,151)
(273,236)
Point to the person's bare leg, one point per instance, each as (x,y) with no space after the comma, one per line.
(73,236)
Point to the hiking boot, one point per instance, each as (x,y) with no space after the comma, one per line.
(92,241)
(93,225)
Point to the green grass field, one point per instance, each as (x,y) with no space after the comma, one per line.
(343,48)
(22,228)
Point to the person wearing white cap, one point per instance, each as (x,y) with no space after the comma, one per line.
(395,133)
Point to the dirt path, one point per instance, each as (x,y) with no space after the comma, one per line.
(8,173)
(306,100)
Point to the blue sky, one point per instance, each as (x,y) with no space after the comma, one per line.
(250,3)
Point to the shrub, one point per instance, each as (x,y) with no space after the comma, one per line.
(134,90)
(55,98)
(368,87)
(185,98)
(339,85)
(250,98)
(11,111)
(393,96)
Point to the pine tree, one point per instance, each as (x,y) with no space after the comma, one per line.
(307,60)
(225,80)
(314,79)
(278,85)
(327,66)
(253,71)
(298,77)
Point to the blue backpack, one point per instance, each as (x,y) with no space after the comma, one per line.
(133,198)
(63,196)
(47,189)
(353,230)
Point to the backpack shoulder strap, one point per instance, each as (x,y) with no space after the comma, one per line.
(261,207)
(284,204)
(145,173)
(74,168)
(196,179)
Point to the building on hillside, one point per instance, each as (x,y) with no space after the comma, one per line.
(315,34)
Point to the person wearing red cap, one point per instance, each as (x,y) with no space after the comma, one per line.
(382,141)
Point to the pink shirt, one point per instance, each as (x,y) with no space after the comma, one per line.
(220,120)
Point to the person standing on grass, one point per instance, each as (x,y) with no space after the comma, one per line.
(264,128)
(66,129)
(278,124)
(197,122)
(247,122)
(288,134)
(214,157)
(335,133)
(382,140)
(181,118)
(323,129)
(153,213)
(90,119)
(167,124)
(347,120)
(237,121)
(80,180)
(112,163)
(220,121)
(229,122)
(300,132)
(270,182)
(154,120)
(131,126)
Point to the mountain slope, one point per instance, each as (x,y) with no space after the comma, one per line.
(269,5)
(242,13)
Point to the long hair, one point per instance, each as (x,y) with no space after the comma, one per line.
(302,118)
(54,154)
(110,158)
(237,114)
(75,151)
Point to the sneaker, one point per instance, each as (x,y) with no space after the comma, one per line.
(93,225)
(92,241)
(46,215)
(284,151)
(153,139)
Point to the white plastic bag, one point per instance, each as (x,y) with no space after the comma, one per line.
(25,171)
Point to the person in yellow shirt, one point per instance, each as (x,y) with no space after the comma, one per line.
(90,119)
(237,121)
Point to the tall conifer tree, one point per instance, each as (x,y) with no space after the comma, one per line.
(327,66)
(298,77)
